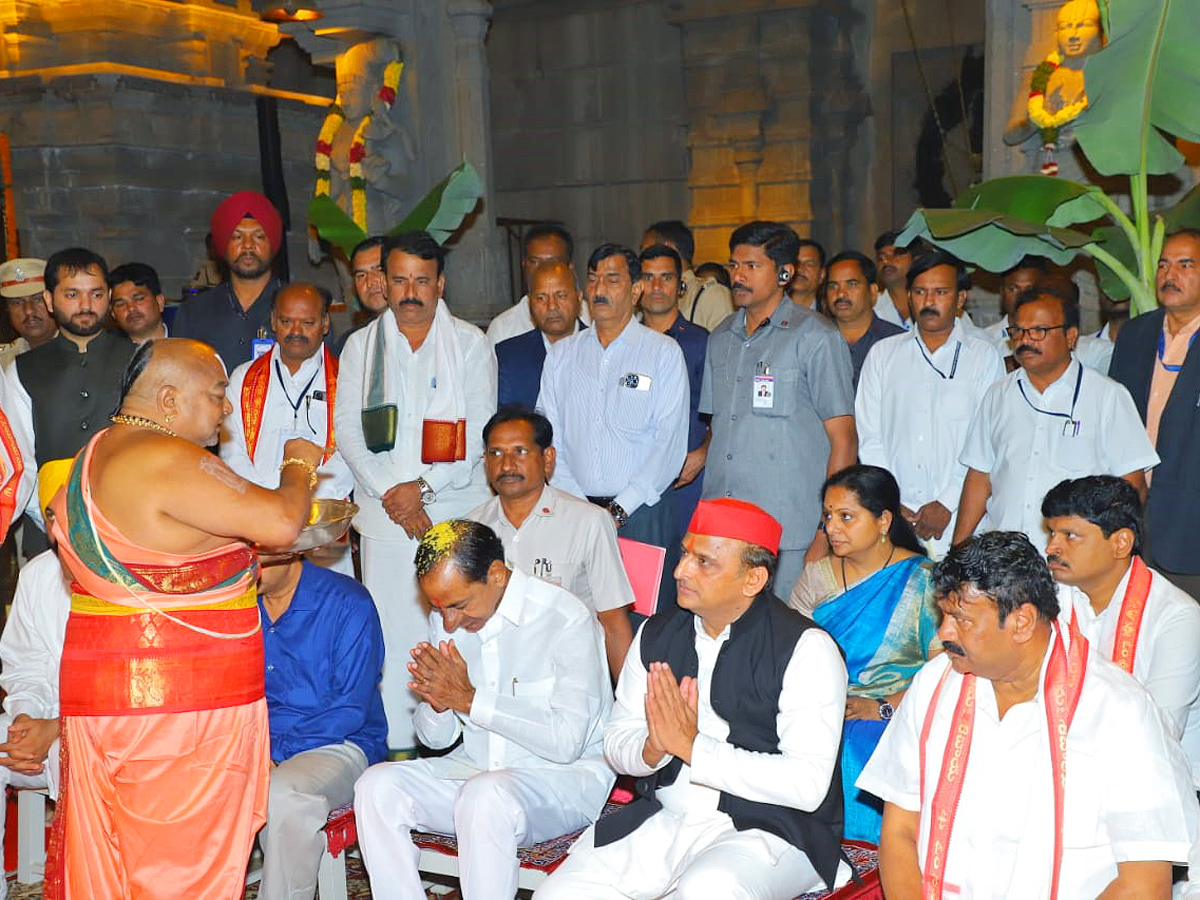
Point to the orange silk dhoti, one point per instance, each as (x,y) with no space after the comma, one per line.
(165,746)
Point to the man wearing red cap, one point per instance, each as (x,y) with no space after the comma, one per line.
(247,232)
(735,759)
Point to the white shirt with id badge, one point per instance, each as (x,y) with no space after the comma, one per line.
(1028,441)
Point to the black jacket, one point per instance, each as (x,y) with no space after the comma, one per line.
(1173,510)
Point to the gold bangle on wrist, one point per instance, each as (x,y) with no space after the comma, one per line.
(306,466)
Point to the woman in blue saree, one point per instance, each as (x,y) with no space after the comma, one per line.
(874,595)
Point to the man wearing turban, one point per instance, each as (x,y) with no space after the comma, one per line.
(248,233)
(729,712)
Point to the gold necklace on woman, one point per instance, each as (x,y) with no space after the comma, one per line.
(141,422)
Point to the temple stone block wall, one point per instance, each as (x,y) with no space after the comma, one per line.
(130,121)
(588,117)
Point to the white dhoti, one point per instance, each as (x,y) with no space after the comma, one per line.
(390,575)
(304,789)
(491,814)
(687,858)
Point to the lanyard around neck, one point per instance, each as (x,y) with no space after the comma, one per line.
(929,360)
(1162,346)
(1070,417)
(303,393)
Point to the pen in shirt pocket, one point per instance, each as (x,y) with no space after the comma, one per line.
(514,687)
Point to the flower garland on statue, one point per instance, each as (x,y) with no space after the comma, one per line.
(333,121)
(1049,123)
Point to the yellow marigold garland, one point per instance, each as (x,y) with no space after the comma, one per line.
(1049,124)
(333,121)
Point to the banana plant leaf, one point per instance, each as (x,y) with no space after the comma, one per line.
(333,224)
(1143,88)
(1184,214)
(444,208)
(1034,198)
(440,212)
(992,240)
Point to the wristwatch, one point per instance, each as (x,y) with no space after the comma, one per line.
(885,710)
(428,495)
(618,513)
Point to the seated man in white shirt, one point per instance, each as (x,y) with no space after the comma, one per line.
(548,533)
(523,683)
(1130,613)
(30,651)
(1021,763)
(729,710)
(1051,419)
(286,393)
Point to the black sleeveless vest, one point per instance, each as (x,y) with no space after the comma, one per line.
(72,393)
(746,683)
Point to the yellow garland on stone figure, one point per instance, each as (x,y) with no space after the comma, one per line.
(333,121)
(1078,34)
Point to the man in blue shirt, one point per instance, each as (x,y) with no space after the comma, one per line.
(323,651)
(662,272)
(617,396)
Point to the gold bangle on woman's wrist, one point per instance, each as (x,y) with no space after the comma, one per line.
(306,466)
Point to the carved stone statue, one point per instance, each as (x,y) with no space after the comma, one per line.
(1056,94)
(365,149)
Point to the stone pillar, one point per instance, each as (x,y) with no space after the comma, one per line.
(478,290)
(444,91)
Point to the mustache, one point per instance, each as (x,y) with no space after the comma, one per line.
(1026,348)
(510,476)
(1057,560)
(295,339)
(929,312)
(1169,285)
(737,286)
(953,648)
(600,298)
(411,301)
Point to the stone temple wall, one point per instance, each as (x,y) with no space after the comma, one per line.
(133,168)
(130,121)
(588,117)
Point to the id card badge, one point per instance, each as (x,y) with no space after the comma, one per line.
(764,391)
(261,346)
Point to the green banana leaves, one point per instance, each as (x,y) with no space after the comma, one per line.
(440,212)
(1143,88)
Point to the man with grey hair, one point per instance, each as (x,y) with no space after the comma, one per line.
(514,667)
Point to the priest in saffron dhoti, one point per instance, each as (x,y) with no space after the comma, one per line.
(164,725)
(1021,762)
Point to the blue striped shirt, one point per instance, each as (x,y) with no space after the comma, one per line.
(620,414)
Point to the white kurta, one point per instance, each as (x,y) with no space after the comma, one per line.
(30,653)
(913,409)
(568,542)
(530,766)
(296,406)
(1026,452)
(18,409)
(387,552)
(648,862)
(1128,795)
(1165,662)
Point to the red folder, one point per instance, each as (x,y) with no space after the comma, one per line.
(644,566)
